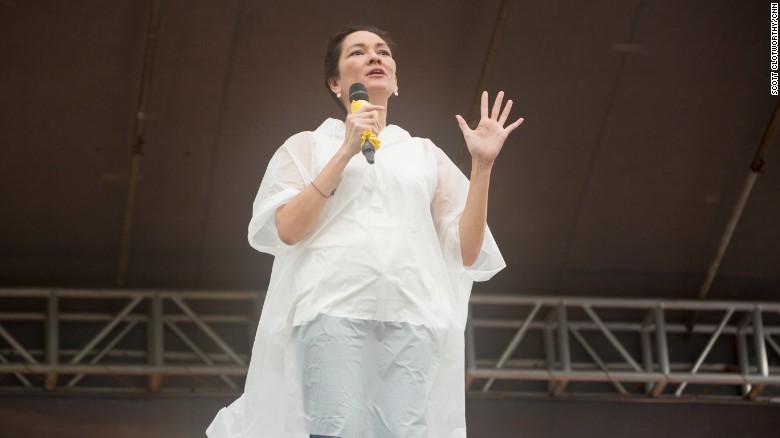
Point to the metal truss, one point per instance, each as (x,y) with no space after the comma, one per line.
(624,348)
(199,342)
(125,341)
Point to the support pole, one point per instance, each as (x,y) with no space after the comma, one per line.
(549,346)
(647,349)
(756,167)
(52,339)
(663,352)
(563,348)
(156,347)
(138,137)
(471,361)
(761,359)
(484,74)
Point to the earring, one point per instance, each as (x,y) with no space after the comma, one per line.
(338,95)
(396,92)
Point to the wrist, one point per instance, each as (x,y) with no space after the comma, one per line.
(481,167)
(344,154)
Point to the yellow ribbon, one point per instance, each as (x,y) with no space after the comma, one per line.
(367,134)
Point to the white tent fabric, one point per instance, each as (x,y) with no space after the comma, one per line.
(361,333)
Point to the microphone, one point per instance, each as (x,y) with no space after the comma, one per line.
(358,95)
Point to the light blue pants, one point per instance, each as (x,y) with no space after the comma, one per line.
(347,364)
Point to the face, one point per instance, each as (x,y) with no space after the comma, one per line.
(366,58)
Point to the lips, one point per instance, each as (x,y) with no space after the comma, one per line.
(376,72)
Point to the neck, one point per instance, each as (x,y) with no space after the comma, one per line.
(382,114)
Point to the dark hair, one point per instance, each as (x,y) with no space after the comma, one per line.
(333,52)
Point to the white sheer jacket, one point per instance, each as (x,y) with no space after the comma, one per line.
(385,248)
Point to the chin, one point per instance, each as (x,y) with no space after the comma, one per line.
(378,91)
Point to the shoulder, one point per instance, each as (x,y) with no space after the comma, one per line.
(329,129)
(303,137)
(430,148)
(297,145)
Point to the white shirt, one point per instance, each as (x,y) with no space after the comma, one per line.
(385,248)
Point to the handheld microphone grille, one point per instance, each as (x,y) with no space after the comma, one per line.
(358,91)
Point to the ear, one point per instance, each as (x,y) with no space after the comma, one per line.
(335,87)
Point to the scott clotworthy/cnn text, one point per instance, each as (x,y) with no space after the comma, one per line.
(773,59)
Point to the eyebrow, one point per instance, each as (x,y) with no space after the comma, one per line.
(364,45)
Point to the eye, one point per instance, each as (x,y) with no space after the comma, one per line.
(356,52)
(384,52)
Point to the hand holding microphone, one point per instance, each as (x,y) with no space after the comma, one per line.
(369,142)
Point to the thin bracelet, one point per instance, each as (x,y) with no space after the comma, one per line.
(323,194)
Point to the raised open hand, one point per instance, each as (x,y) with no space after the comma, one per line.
(486,140)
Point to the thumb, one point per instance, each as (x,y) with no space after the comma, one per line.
(462,124)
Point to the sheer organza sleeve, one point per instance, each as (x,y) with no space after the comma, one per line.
(447,206)
(288,172)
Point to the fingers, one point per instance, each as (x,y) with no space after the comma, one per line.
(505,113)
(363,119)
(371,128)
(369,108)
(512,127)
(364,114)
(496,113)
(484,105)
(358,122)
(497,106)
(367,116)
(462,124)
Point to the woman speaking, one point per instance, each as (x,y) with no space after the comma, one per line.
(362,330)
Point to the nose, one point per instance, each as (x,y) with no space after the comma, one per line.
(375,58)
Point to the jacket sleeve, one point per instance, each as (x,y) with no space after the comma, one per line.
(288,173)
(447,206)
